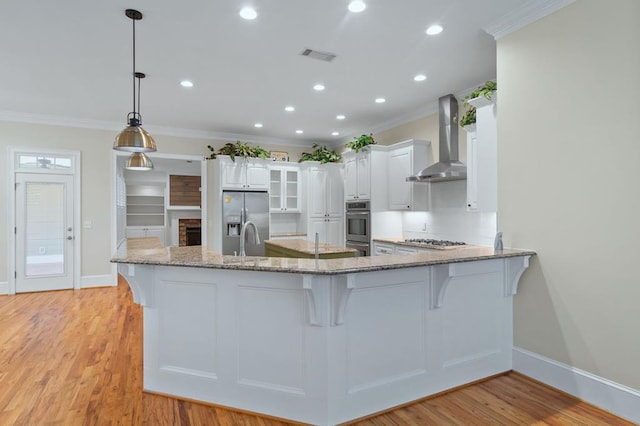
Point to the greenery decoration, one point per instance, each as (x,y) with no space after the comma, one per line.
(239,149)
(361,142)
(486,91)
(321,154)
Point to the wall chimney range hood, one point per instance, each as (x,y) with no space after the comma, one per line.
(448,167)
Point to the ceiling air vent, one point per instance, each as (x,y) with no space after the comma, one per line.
(316,54)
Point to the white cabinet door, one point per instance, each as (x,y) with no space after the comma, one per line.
(334,233)
(284,189)
(233,176)
(334,193)
(400,166)
(317,191)
(482,175)
(136,232)
(351,178)
(363,171)
(380,249)
(256,175)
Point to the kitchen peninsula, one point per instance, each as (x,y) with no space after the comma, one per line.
(320,341)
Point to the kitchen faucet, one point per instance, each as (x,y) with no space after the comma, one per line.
(256,236)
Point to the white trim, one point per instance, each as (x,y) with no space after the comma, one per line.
(52,120)
(90,281)
(4,287)
(76,172)
(527,14)
(618,399)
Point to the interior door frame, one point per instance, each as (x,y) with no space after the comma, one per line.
(115,242)
(12,169)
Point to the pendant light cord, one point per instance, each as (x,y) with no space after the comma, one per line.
(134,69)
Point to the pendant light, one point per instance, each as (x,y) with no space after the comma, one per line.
(134,138)
(138,161)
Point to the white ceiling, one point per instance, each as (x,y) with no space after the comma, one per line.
(70,61)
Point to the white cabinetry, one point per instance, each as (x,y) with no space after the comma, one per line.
(244,173)
(284,189)
(325,203)
(357,175)
(482,175)
(146,231)
(380,249)
(407,159)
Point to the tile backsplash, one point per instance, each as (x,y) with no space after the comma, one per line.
(448,218)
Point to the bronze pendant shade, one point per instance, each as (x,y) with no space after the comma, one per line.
(139,161)
(134,138)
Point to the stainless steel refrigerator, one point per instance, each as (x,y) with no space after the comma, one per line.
(237,208)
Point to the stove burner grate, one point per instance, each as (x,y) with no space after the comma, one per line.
(431,242)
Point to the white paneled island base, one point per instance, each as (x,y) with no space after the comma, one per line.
(324,348)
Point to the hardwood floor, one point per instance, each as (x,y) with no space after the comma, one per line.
(75,358)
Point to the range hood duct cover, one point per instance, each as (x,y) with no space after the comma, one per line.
(449,166)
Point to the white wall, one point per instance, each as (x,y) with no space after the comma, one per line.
(569,170)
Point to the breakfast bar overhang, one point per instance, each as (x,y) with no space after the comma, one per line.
(321,341)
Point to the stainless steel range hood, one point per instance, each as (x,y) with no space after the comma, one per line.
(448,167)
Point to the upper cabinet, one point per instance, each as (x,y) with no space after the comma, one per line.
(325,191)
(184,191)
(482,164)
(406,159)
(284,189)
(248,174)
(357,175)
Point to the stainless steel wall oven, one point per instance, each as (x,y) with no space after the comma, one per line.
(358,226)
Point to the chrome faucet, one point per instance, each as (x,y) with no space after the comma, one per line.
(256,236)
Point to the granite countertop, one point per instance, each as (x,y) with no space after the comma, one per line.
(304,246)
(136,251)
(289,234)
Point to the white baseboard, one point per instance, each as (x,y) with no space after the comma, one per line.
(613,397)
(4,287)
(88,281)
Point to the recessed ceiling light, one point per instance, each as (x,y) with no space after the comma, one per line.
(248,13)
(335,133)
(340,117)
(258,125)
(299,132)
(186,83)
(357,6)
(289,108)
(434,29)
(380,100)
(420,77)
(318,87)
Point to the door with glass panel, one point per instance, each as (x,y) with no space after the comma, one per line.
(44,232)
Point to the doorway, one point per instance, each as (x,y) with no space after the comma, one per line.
(44,217)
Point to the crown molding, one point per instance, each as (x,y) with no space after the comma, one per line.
(51,120)
(530,12)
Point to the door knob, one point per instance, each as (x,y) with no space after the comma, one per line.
(69,229)
(70,237)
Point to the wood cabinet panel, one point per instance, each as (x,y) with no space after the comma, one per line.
(184,190)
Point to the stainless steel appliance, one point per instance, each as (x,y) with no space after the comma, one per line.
(239,207)
(358,226)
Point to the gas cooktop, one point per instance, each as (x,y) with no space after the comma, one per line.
(430,242)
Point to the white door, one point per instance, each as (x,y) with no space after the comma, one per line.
(44,232)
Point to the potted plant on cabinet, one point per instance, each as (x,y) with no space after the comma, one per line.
(321,154)
(239,149)
(361,142)
(479,97)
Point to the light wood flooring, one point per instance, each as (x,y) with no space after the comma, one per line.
(75,358)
